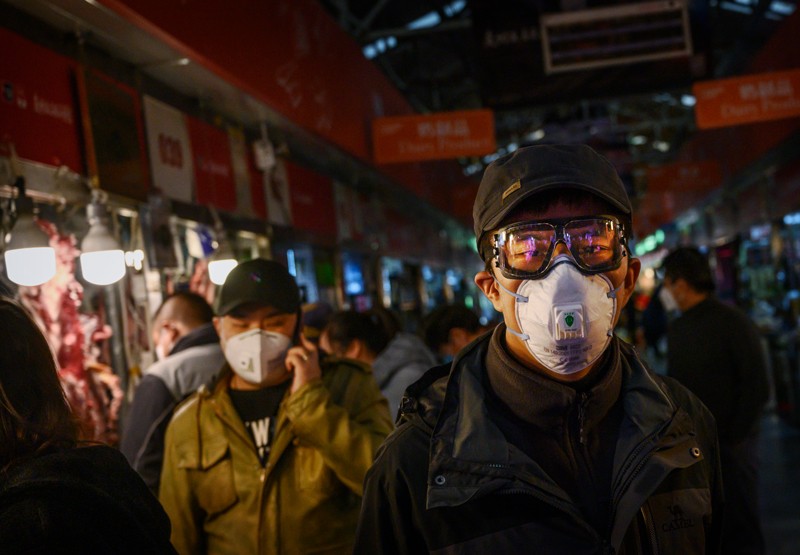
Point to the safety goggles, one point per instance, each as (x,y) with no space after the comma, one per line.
(525,250)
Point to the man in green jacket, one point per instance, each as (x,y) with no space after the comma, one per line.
(271,458)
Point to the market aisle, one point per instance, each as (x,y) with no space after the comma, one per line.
(780,486)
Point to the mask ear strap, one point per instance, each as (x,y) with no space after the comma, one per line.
(521,299)
(517,296)
(523,336)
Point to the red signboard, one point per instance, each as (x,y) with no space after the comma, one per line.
(313,207)
(748,99)
(213,170)
(433,136)
(38,109)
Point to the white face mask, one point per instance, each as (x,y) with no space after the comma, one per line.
(667,299)
(566,319)
(256,355)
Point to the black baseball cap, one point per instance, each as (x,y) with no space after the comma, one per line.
(532,169)
(259,282)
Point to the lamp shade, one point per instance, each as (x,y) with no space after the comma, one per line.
(30,260)
(218,270)
(221,263)
(102,259)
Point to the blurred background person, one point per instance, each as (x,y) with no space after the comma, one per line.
(715,351)
(653,329)
(188,352)
(449,328)
(398,358)
(56,494)
(315,317)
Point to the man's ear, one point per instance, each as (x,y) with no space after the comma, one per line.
(634,267)
(172,330)
(355,349)
(486,283)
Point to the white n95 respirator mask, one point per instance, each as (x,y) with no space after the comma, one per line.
(256,355)
(566,318)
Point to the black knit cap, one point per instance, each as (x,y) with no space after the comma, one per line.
(529,170)
(259,282)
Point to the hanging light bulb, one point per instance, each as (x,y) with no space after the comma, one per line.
(102,259)
(223,260)
(221,263)
(30,260)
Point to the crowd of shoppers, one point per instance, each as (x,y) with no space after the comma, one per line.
(266,426)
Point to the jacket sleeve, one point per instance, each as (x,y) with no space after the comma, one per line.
(347,436)
(176,496)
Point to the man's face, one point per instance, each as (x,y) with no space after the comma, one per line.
(623,277)
(457,338)
(165,332)
(248,318)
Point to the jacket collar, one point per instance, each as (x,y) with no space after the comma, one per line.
(515,384)
(202,335)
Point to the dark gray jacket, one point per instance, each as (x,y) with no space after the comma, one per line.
(404,360)
(194,361)
(448,482)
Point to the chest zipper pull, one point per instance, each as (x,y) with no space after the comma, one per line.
(582,401)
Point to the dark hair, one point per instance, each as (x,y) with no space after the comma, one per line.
(345,326)
(188,308)
(689,264)
(541,202)
(437,325)
(34,414)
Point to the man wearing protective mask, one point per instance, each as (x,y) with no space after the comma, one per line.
(549,435)
(272,457)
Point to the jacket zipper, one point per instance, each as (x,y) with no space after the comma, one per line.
(582,402)
(649,528)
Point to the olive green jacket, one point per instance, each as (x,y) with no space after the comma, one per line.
(306,499)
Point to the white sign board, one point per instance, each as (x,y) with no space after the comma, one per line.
(170,149)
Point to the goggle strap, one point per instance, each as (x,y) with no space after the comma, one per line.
(613,293)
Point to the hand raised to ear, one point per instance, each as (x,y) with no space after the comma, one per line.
(303,361)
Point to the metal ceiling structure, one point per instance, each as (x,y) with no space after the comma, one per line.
(617,85)
(449,55)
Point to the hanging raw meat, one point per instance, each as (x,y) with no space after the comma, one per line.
(91,387)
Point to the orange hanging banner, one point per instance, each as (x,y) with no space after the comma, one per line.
(433,136)
(748,99)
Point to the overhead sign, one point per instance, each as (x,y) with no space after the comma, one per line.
(433,136)
(748,99)
(702,176)
(615,35)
